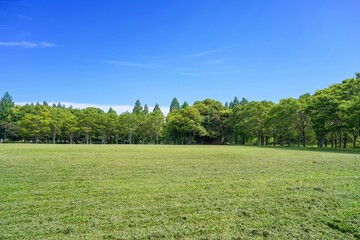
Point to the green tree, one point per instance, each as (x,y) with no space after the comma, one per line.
(249,121)
(156,108)
(6,105)
(234,103)
(56,121)
(243,102)
(185,125)
(155,123)
(137,108)
(127,126)
(322,109)
(357,75)
(210,110)
(113,125)
(226,127)
(146,110)
(185,104)
(36,126)
(303,124)
(281,120)
(71,124)
(89,122)
(174,105)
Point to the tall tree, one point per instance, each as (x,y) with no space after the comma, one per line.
(234,103)
(36,126)
(210,110)
(155,122)
(302,120)
(243,102)
(174,105)
(156,108)
(89,122)
(249,121)
(6,104)
(146,110)
(71,124)
(128,125)
(56,121)
(137,108)
(113,125)
(323,113)
(281,120)
(185,125)
(185,105)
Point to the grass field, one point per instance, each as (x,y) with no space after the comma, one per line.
(172,192)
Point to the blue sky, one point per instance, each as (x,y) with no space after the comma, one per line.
(114,52)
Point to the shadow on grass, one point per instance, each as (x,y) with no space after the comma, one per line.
(313,149)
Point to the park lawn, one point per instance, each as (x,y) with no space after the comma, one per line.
(172,192)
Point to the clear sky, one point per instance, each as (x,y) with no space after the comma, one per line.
(114,52)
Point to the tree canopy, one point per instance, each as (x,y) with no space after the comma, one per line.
(329,117)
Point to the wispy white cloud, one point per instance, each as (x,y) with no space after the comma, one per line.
(207,52)
(214,61)
(26,44)
(118,108)
(210,73)
(128,64)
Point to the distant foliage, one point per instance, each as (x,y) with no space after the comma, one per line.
(329,117)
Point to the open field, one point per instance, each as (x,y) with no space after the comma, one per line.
(201,192)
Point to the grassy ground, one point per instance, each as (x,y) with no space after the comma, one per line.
(172,192)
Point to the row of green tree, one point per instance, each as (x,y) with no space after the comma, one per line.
(329,117)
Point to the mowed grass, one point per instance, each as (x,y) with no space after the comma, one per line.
(177,192)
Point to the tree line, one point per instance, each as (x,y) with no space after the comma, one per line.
(329,117)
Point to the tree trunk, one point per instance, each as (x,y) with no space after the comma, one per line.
(274,139)
(298,141)
(335,141)
(54,137)
(304,138)
(87,138)
(340,139)
(345,141)
(320,141)
(71,138)
(288,139)
(325,142)
(354,138)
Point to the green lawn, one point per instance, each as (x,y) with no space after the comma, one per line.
(172,192)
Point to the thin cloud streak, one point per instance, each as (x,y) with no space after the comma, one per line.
(118,108)
(128,64)
(165,61)
(195,74)
(215,62)
(211,51)
(26,44)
